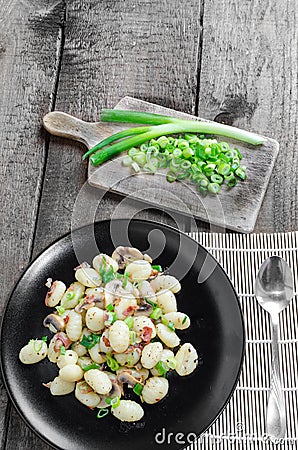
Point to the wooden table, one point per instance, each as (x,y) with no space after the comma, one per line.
(227,60)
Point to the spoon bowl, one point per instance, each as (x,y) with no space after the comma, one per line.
(274,285)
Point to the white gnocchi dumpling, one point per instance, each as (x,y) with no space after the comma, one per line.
(96,354)
(166,300)
(99,381)
(34,352)
(88,277)
(86,395)
(79,349)
(180,320)
(128,411)
(140,322)
(104,342)
(71,373)
(167,336)
(55,294)
(102,260)
(121,306)
(70,357)
(53,355)
(151,355)
(95,319)
(139,270)
(165,282)
(119,336)
(61,387)
(187,360)
(155,389)
(128,359)
(74,326)
(72,296)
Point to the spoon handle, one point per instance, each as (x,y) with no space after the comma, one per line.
(276,411)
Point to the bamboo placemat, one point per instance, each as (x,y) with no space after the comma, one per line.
(242,424)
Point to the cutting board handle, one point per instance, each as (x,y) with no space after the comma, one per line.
(67,126)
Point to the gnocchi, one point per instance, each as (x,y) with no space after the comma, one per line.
(166,300)
(119,336)
(114,326)
(187,360)
(61,387)
(33,352)
(98,380)
(55,294)
(151,355)
(155,389)
(128,411)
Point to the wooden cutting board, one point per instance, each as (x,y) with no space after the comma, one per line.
(235,209)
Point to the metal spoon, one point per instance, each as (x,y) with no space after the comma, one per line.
(274,292)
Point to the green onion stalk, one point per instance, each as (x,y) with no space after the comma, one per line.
(160,126)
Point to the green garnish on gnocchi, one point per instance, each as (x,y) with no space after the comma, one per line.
(114,327)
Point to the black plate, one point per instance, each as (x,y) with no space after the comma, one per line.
(193,403)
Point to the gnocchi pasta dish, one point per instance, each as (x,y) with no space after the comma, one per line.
(115,328)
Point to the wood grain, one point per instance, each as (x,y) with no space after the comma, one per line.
(29,38)
(249,79)
(110,49)
(113,49)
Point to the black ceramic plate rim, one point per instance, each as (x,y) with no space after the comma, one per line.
(140,221)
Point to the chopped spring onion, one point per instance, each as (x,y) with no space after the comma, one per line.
(215,178)
(70,295)
(106,271)
(112,363)
(168,323)
(129,322)
(125,279)
(127,161)
(132,337)
(158,268)
(154,304)
(138,389)
(171,177)
(110,307)
(134,165)
(91,366)
(112,317)
(162,368)
(113,402)
(102,413)
(36,346)
(240,173)
(60,310)
(171,362)
(156,314)
(44,338)
(62,350)
(232,182)
(184,320)
(213,188)
(90,341)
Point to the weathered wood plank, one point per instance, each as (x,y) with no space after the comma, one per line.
(141,48)
(249,79)
(29,35)
(146,49)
